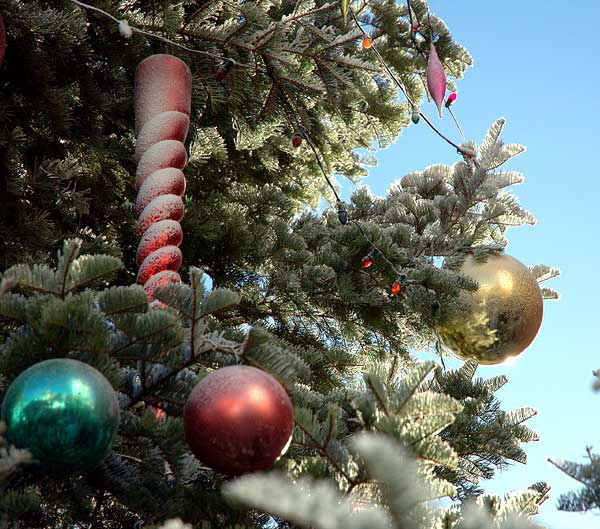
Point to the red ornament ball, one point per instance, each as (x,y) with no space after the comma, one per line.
(238,419)
(297,140)
(367,43)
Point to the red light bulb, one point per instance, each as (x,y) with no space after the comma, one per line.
(451,98)
(224,70)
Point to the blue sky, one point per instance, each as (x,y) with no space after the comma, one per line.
(536,64)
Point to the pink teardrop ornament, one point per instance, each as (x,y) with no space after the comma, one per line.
(436,79)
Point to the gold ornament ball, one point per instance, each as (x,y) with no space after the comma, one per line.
(501,318)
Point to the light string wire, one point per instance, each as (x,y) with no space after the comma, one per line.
(401,277)
(159,37)
(341,205)
(412,25)
(460,150)
(302,130)
(457,123)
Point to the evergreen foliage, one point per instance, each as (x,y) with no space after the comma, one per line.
(319,505)
(372,425)
(588,475)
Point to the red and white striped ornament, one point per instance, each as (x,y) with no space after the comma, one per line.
(162,100)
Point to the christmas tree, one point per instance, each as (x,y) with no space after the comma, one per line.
(318,316)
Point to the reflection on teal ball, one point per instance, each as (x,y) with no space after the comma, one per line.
(64,411)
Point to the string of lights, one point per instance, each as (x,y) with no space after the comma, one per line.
(343,217)
(463,152)
(342,212)
(126,30)
(227,64)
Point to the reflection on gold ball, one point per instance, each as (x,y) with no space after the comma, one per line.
(501,318)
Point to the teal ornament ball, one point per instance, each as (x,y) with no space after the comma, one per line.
(64,412)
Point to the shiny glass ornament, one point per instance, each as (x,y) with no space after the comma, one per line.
(501,318)
(64,412)
(238,419)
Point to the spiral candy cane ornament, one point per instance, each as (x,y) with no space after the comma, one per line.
(162,99)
